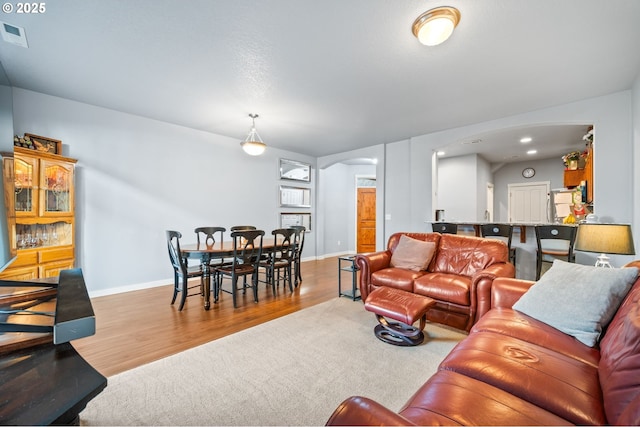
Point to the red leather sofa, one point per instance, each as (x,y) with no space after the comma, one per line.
(515,370)
(459,276)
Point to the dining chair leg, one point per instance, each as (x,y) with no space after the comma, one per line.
(254,281)
(176,286)
(298,274)
(271,278)
(234,290)
(214,284)
(538,267)
(183,297)
(288,277)
(216,288)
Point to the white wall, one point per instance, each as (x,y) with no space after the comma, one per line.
(457,188)
(336,219)
(338,193)
(398,176)
(138,177)
(483,177)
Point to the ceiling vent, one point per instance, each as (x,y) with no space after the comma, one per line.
(474,141)
(13,34)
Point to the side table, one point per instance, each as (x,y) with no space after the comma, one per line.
(348,263)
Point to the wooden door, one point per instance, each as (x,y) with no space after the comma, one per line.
(366,220)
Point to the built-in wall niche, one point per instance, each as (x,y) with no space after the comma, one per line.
(289,219)
(295,170)
(296,197)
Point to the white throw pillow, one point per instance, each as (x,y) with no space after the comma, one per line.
(578,300)
(412,254)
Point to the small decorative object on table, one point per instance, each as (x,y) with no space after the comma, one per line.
(570,160)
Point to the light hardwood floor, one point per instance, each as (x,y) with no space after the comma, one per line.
(135,328)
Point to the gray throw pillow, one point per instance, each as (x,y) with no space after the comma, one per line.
(578,300)
(412,254)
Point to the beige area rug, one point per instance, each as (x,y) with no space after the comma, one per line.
(294,370)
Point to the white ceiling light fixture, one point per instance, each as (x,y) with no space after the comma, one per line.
(253,145)
(526,140)
(436,25)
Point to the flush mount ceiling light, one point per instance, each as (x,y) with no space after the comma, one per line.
(436,25)
(253,144)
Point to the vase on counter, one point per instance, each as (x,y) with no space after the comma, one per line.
(582,162)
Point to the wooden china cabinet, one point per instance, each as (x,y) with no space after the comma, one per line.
(44,231)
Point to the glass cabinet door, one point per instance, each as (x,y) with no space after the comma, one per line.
(56,188)
(26,185)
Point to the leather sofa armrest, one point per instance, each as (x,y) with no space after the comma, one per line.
(360,411)
(505,292)
(481,285)
(368,264)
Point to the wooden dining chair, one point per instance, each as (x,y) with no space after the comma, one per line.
(554,242)
(503,232)
(181,271)
(208,236)
(247,252)
(279,263)
(298,239)
(242,228)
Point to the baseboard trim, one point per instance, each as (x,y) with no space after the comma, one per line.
(335,254)
(129,288)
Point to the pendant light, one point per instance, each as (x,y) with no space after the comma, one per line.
(436,25)
(253,144)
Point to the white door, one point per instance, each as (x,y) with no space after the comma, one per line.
(529,203)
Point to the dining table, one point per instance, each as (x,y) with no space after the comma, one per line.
(218,250)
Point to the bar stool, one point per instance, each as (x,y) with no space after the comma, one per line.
(554,242)
(444,227)
(503,232)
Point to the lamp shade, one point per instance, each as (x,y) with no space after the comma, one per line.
(253,148)
(253,145)
(605,238)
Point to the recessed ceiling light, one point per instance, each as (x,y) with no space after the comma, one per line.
(441,153)
(532,152)
(526,139)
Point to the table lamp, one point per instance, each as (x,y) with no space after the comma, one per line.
(605,239)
